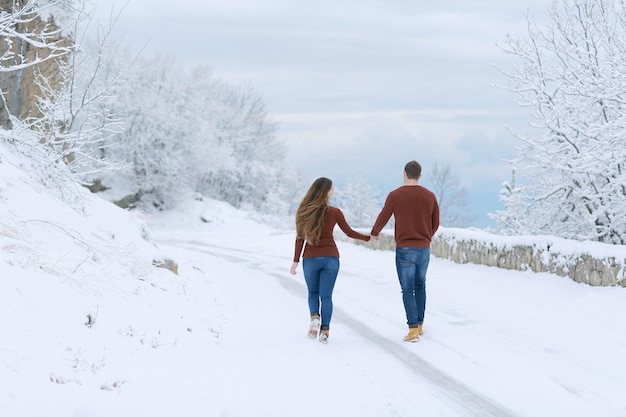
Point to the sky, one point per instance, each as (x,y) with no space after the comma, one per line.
(360,87)
(92,329)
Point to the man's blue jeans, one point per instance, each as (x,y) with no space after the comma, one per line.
(320,274)
(412,264)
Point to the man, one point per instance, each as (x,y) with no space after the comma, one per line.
(416,213)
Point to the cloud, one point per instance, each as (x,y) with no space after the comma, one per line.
(380,138)
(359,86)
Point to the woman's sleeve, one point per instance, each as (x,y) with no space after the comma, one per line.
(345,227)
(298,249)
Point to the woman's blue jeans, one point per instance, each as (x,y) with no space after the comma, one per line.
(412,264)
(320,274)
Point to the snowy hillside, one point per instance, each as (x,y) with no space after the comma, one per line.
(77,288)
(90,328)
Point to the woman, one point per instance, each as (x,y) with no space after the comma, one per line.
(315,221)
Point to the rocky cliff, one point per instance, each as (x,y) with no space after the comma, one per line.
(19,89)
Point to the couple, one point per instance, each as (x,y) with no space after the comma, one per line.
(416,213)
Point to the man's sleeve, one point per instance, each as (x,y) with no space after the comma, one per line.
(435,217)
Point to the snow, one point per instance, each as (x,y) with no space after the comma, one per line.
(61,12)
(90,328)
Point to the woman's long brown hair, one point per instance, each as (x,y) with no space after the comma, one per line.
(310,214)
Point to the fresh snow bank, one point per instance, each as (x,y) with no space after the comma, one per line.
(592,263)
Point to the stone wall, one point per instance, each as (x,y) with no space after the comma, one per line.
(592,263)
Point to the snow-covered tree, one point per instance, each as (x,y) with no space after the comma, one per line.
(36,42)
(510,221)
(186,130)
(451,196)
(571,73)
(168,135)
(359,201)
(165,128)
(76,117)
(24,25)
(259,178)
(33,40)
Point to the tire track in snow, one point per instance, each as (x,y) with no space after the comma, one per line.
(469,401)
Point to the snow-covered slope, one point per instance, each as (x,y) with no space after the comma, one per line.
(77,288)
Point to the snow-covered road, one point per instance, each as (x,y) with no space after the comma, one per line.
(459,398)
(496,342)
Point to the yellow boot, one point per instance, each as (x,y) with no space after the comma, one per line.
(324,336)
(413,335)
(421,328)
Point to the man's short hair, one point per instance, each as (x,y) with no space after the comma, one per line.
(413,170)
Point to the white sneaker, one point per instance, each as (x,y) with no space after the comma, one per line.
(314,328)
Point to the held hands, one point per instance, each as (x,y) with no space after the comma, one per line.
(374,238)
(292,270)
